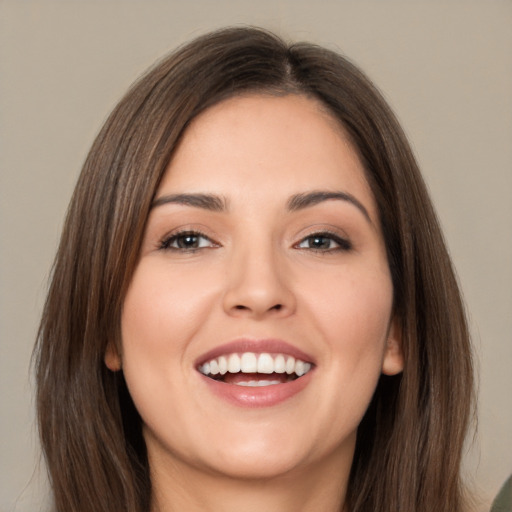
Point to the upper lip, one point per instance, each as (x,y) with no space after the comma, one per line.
(257,346)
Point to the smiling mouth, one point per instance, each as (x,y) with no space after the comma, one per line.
(255,370)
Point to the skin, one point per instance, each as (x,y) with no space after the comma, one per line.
(256,274)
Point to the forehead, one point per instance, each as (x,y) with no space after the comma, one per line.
(265,144)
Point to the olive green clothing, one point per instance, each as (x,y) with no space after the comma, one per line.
(503,502)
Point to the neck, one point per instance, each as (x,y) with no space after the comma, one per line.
(321,487)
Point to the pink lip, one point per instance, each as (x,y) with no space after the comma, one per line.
(265,396)
(270,346)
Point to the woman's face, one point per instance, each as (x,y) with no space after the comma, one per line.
(258,319)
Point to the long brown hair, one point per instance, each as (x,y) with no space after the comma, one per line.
(410,441)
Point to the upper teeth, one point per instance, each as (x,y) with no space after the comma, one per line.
(249,362)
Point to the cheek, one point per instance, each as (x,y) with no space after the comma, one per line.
(353,317)
(163,309)
(354,303)
(161,314)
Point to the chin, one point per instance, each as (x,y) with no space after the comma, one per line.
(259,467)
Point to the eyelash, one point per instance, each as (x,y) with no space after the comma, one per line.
(342,244)
(166,244)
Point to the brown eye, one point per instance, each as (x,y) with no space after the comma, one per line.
(319,242)
(324,242)
(187,241)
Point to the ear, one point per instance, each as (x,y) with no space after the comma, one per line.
(393,362)
(112,358)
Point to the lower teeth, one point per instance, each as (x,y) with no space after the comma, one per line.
(258,383)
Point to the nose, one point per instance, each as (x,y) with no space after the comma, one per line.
(258,285)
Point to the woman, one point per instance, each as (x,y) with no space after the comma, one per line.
(252,306)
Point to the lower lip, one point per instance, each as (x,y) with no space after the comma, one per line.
(264,396)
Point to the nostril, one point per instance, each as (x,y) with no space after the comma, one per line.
(276,307)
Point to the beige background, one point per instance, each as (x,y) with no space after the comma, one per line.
(446,68)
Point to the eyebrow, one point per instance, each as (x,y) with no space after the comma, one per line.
(297,202)
(206,201)
(301,201)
